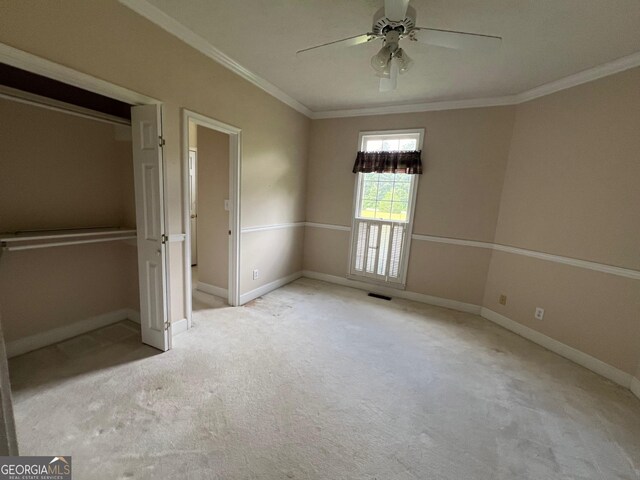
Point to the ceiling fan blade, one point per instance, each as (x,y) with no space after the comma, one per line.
(395,10)
(345,42)
(454,39)
(391,83)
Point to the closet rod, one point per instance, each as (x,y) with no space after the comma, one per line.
(62,244)
(72,232)
(67,229)
(19,96)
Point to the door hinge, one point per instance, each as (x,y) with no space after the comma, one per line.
(167,325)
(161,141)
(164,238)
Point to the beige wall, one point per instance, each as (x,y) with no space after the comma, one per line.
(594,312)
(264,251)
(573,173)
(213,219)
(464,158)
(140,56)
(326,251)
(62,171)
(571,189)
(448,271)
(49,288)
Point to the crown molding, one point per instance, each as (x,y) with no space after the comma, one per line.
(610,68)
(177,29)
(589,75)
(417,107)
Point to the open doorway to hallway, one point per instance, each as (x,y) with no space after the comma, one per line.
(209,214)
(210,167)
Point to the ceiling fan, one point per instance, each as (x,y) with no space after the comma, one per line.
(397,21)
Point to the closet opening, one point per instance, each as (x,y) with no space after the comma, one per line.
(211,171)
(70,249)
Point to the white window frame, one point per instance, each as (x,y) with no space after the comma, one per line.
(404,261)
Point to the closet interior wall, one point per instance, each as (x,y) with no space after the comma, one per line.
(60,171)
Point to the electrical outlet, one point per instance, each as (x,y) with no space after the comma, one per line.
(503,300)
(256,274)
(539,313)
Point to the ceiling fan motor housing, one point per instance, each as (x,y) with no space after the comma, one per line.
(381,24)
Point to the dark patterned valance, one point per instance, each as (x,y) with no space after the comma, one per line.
(388,162)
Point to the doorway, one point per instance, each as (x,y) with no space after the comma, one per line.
(211,159)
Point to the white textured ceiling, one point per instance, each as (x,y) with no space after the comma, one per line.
(543,41)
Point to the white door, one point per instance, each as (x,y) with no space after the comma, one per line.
(193,202)
(146,125)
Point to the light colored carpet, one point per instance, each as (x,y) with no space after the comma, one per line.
(316,381)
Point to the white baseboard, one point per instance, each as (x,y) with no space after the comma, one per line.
(212,290)
(44,339)
(264,289)
(635,386)
(179,326)
(393,292)
(598,366)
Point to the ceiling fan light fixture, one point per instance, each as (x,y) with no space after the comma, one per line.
(404,61)
(386,71)
(381,60)
(395,23)
(388,84)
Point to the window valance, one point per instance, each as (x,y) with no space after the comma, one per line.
(388,162)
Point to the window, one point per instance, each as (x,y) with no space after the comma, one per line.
(385,196)
(383,212)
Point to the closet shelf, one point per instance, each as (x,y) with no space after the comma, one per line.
(47,238)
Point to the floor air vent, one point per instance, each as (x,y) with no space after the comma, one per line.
(383,297)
